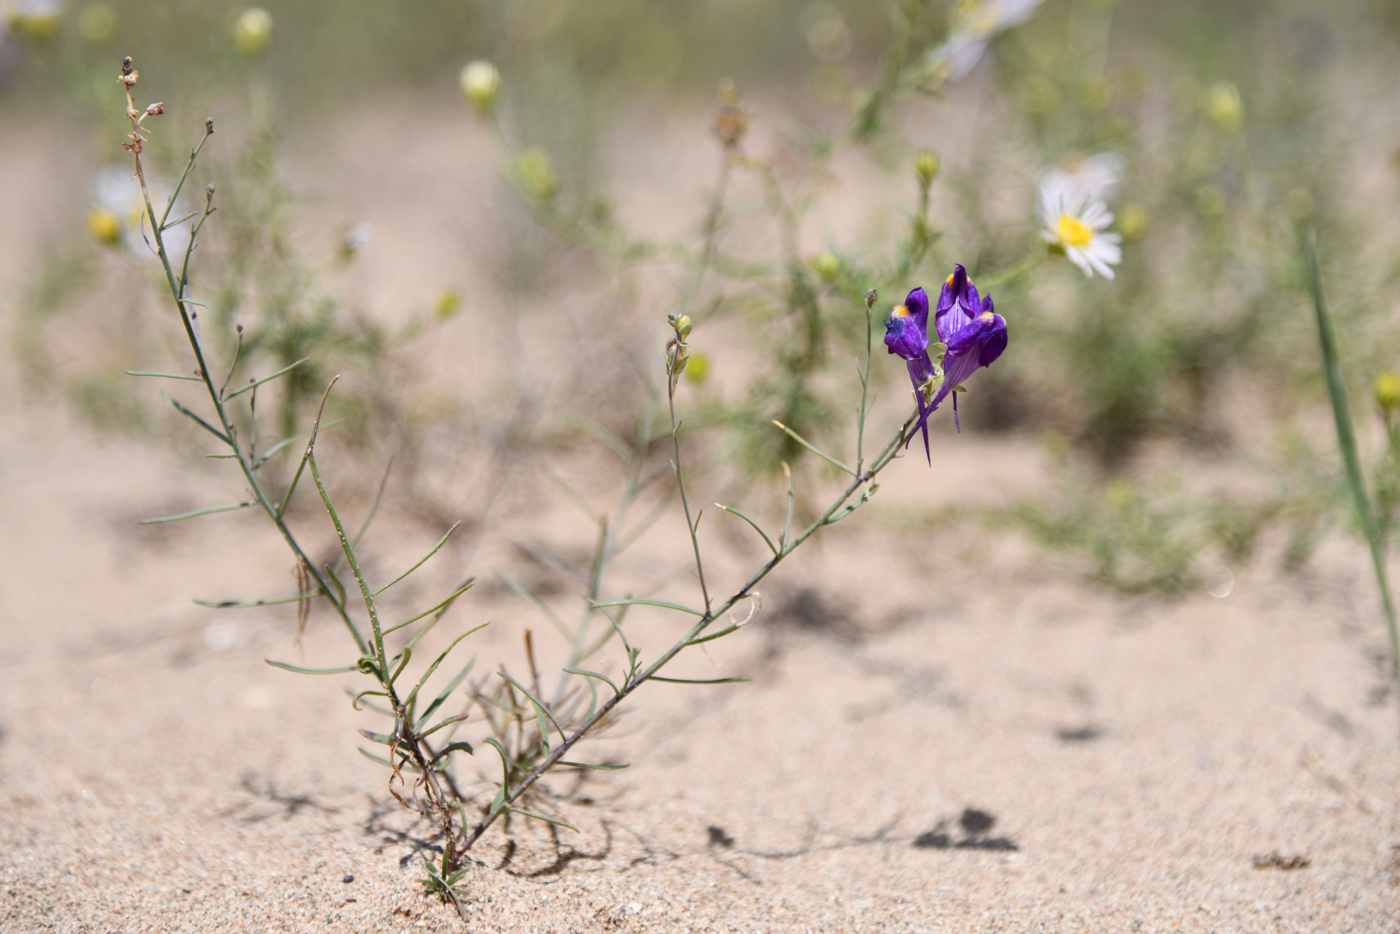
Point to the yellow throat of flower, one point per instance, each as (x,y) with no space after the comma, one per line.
(1072,231)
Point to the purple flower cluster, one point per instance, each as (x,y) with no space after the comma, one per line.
(970,335)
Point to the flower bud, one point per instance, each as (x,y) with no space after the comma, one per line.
(481,83)
(1222,105)
(699,368)
(683,325)
(253,31)
(1387,390)
(871,295)
(826,265)
(1132,221)
(926,165)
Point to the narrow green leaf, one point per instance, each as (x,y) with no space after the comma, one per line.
(208,427)
(256,383)
(443,606)
(446,723)
(383,739)
(444,693)
(541,712)
(766,540)
(199,512)
(548,820)
(638,601)
(602,435)
(593,675)
(403,659)
(164,375)
(499,803)
(697,680)
(813,448)
(421,561)
(589,765)
(413,695)
(286,443)
(451,748)
(272,601)
(311,671)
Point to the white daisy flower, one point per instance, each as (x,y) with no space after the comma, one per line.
(976,23)
(118,214)
(1091,178)
(1078,226)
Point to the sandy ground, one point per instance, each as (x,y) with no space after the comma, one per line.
(945,731)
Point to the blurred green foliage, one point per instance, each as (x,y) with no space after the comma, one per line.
(1239,120)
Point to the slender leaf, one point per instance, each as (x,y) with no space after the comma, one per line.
(446,723)
(697,680)
(602,435)
(459,746)
(541,712)
(548,820)
(589,765)
(311,671)
(766,540)
(638,601)
(383,739)
(421,561)
(443,606)
(197,379)
(208,427)
(199,512)
(813,448)
(272,601)
(413,695)
(256,383)
(444,693)
(593,675)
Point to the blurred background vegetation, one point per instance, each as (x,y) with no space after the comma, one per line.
(1241,122)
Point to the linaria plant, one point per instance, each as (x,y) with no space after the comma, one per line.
(531,731)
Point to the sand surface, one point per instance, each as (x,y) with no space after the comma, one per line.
(946,730)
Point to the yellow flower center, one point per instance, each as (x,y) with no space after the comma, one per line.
(103,226)
(1072,231)
(899,311)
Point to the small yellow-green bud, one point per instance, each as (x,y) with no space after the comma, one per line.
(926,165)
(699,368)
(253,31)
(683,326)
(98,24)
(679,361)
(447,304)
(871,295)
(536,176)
(481,83)
(826,266)
(1132,221)
(1222,105)
(1387,391)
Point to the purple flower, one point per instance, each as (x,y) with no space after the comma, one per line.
(970,333)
